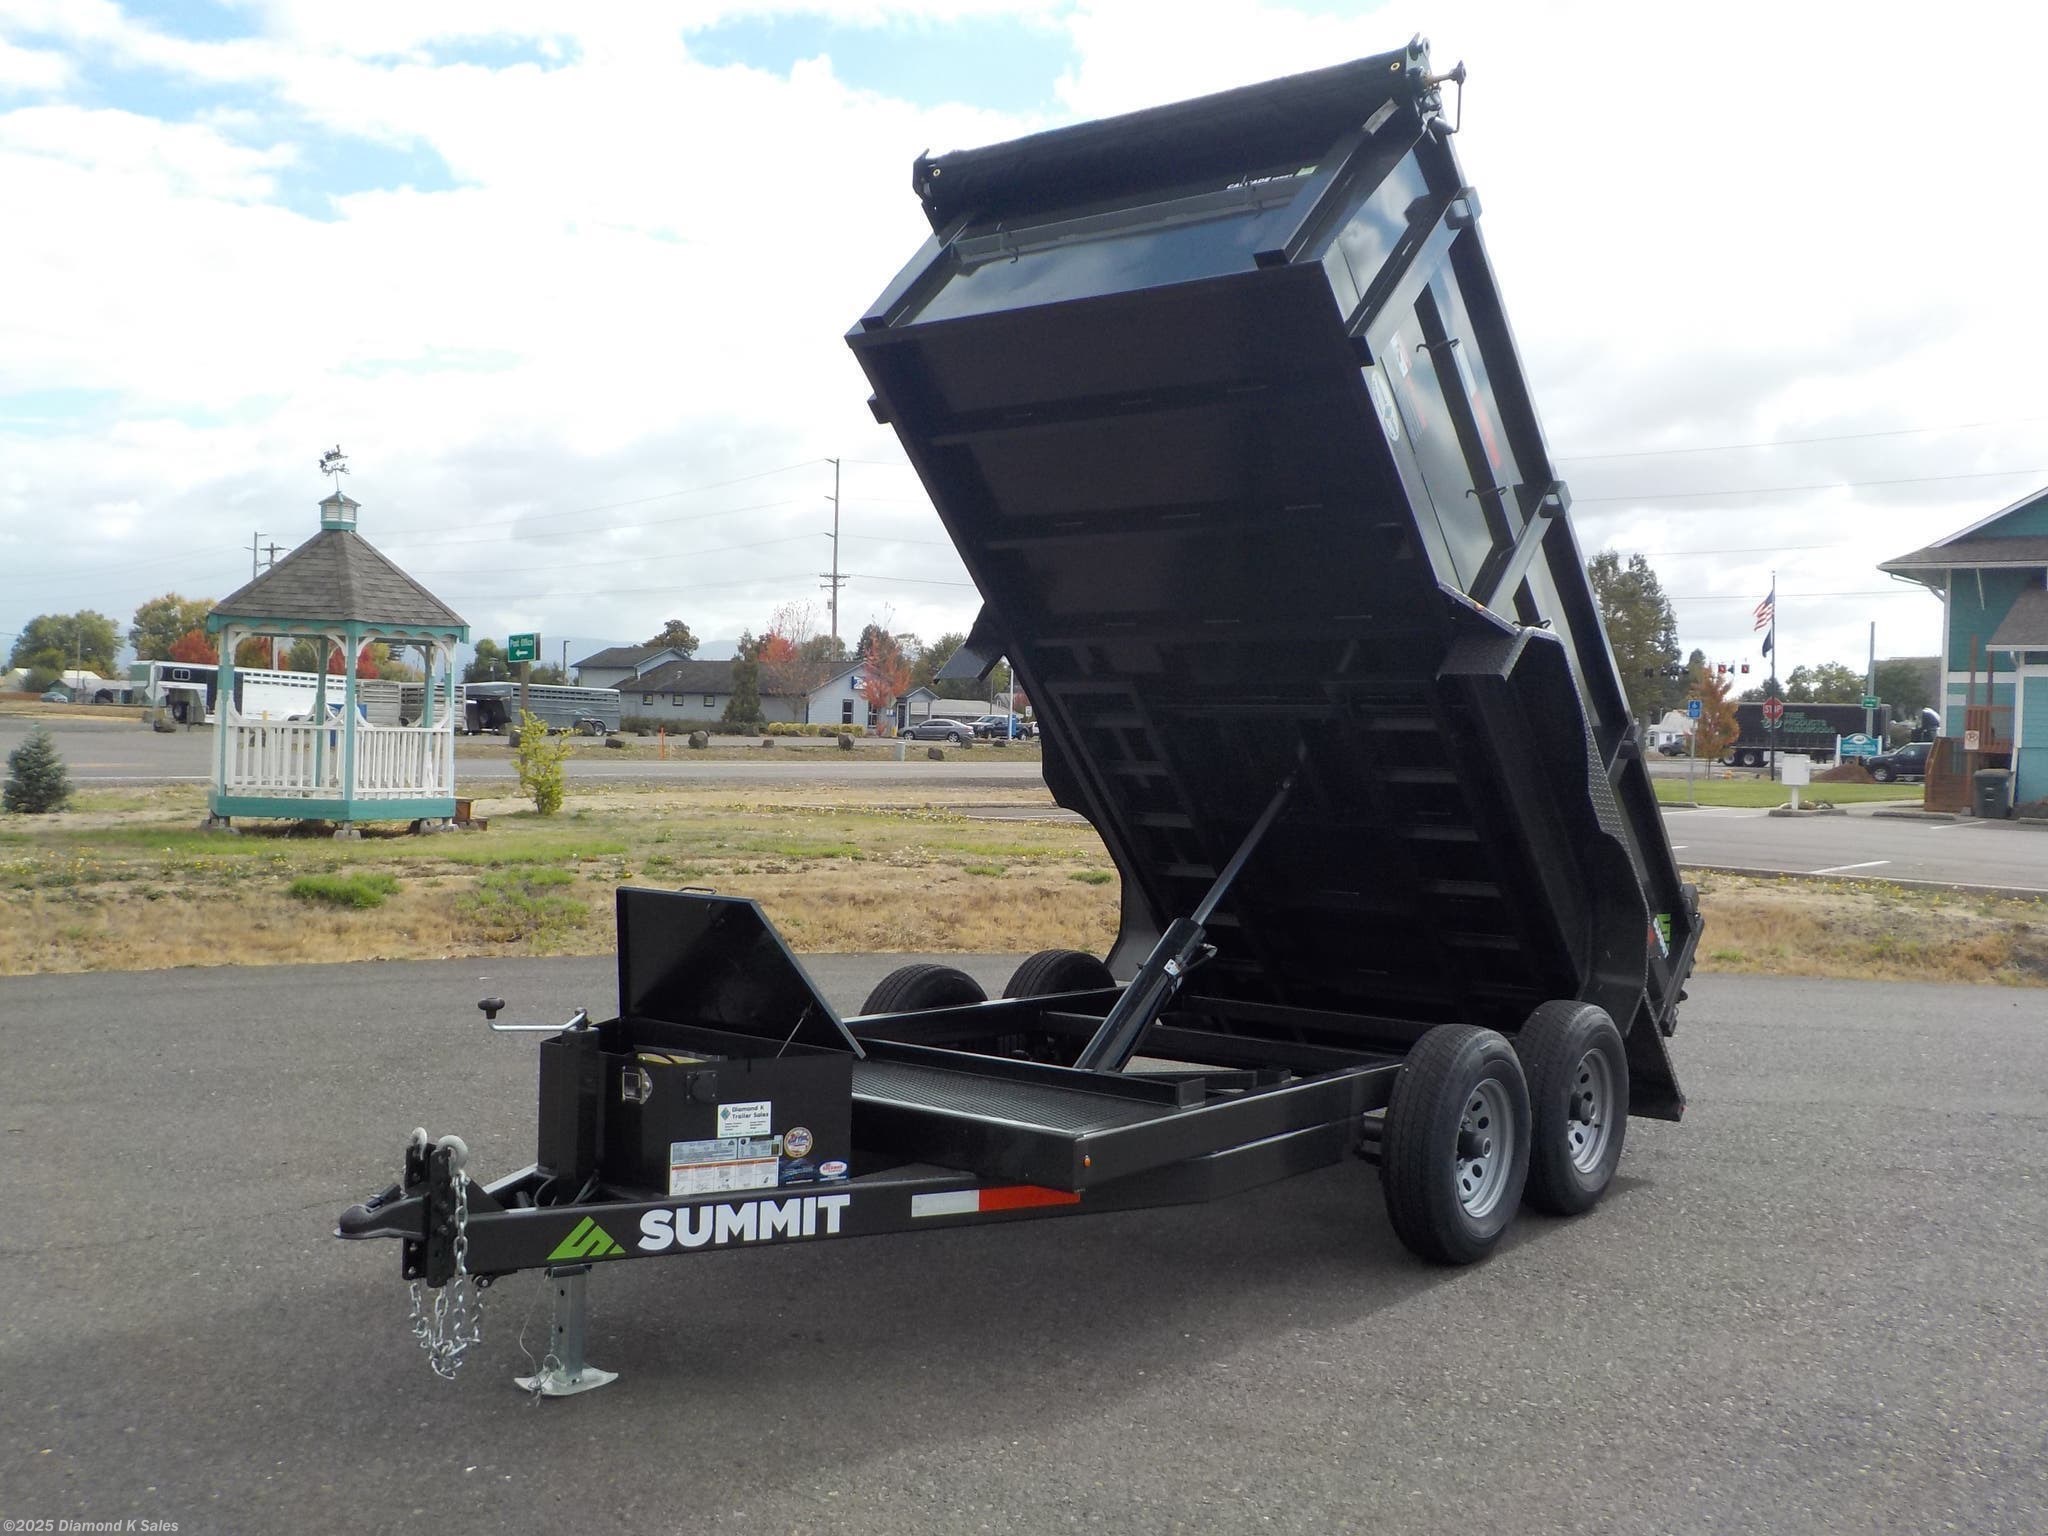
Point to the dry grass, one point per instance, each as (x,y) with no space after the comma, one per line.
(1869,930)
(123,881)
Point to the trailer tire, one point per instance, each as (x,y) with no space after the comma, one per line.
(1058,970)
(1454,1152)
(1750,759)
(1578,1097)
(914,988)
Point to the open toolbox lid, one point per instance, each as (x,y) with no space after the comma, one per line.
(1219,405)
(716,962)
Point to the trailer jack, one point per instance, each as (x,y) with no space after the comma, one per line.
(563,1372)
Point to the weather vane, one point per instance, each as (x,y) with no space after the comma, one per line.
(334,463)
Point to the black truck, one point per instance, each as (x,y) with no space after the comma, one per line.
(1220,407)
(1809,730)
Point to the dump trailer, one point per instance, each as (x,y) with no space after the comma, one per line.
(1220,408)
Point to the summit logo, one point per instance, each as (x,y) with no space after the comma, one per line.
(588,1241)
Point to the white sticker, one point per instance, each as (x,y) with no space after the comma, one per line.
(1400,354)
(1383,402)
(1378,120)
(745,1119)
(732,1162)
(715,1178)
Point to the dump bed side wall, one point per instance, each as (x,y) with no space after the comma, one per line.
(1248,475)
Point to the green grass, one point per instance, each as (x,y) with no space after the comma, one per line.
(993,871)
(1757,793)
(359,889)
(1092,876)
(526,903)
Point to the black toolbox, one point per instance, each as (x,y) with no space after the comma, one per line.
(725,1069)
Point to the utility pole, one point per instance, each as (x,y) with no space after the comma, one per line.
(1870,689)
(833,580)
(255,556)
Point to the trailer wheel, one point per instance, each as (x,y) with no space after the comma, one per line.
(1751,759)
(914,988)
(1059,970)
(1454,1153)
(1578,1097)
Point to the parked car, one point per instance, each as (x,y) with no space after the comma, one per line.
(1002,725)
(1909,762)
(955,731)
(1677,746)
(55,696)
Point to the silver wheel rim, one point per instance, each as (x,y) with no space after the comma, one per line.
(1589,1116)
(1486,1148)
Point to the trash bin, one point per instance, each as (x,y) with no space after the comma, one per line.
(1994,792)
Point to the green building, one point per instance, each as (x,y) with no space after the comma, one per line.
(1992,579)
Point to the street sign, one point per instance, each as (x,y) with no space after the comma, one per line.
(1859,745)
(1871,701)
(522,648)
(1774,709)
(1693,709)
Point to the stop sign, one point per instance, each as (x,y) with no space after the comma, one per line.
(1774,709)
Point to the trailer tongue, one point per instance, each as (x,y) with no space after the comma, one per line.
(1220,408)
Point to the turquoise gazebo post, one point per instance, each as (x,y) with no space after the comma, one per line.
(390,756)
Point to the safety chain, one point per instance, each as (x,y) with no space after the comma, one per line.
(455,1322)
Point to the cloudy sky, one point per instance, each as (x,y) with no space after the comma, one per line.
(568,279)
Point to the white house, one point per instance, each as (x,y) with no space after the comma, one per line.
(618,665)
(694,692)
(1675,726)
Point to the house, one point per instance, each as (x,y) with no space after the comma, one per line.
(1992,579)
(618,665)
(86,687)
(1676,726)
(693,692)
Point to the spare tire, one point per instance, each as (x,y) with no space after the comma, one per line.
(915,988)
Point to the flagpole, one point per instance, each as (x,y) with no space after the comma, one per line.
(1771,637)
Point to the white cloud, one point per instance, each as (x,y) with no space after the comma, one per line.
(32,70)
(1713,226)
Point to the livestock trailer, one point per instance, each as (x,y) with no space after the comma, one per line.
(559,706)
(1220,408)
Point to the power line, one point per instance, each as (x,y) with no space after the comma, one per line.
(498,518)
(1820,485)
(660,522)
(1793,442)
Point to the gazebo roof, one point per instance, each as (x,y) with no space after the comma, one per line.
(338,575)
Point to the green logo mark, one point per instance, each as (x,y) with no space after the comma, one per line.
(588,1241)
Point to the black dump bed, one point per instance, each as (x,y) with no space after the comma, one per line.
(1220,407)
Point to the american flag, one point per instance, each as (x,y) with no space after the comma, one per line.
(1767,610)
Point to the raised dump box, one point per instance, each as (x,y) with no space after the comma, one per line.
(1219,405)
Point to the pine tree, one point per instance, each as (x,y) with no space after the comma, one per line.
(744,707)
(36,781)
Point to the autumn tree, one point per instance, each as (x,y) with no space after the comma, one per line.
(1641,628)
(793,657)
(885,677)
(162,621)
(195,648)
(256,651)
(1717,728)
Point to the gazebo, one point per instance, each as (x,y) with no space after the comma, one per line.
(331,763)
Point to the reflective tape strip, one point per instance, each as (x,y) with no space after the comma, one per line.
(973,1202)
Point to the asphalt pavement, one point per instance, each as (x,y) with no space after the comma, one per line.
(1812,1307)
(2006,855)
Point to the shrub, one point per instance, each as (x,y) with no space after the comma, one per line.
(537,758)
(36,780)
(359,889)
(1092,876)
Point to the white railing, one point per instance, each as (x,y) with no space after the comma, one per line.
(301,758)
(279,757)
(404,762)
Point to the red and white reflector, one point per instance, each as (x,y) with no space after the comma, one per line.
(975,1202)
